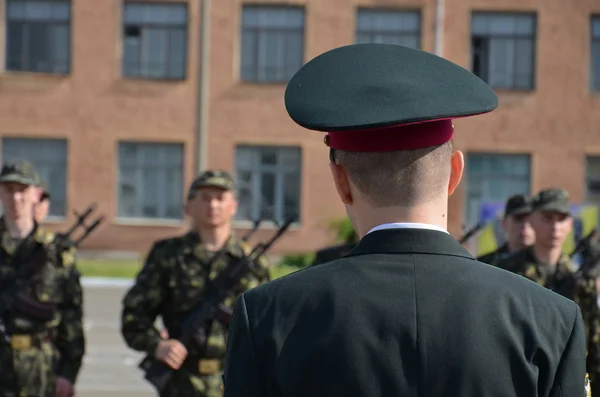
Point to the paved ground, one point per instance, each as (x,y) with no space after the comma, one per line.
(110,368)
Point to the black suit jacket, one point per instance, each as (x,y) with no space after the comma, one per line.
(407,313)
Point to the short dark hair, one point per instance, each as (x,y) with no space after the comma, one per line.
(399,178)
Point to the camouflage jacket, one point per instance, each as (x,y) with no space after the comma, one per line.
(55,339)
(581,290)
(170,284)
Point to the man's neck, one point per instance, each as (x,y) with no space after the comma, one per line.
(215,239)
(432,214)
(548,256)
(19,228)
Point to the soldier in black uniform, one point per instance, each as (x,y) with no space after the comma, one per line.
(334,252)
(409,312)
(519,233)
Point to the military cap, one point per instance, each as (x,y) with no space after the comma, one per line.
(381,97)
(211,178)
(20,172)
(552,200)
(517,204)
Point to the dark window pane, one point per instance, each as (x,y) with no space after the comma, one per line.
(493,178)
(388,27)
(269,182)
(38,36)
(503,49)
(272,42)
(150,180)
(155,40)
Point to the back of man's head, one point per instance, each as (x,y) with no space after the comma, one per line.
(400,178)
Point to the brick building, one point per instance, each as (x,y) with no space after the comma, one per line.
(104,96)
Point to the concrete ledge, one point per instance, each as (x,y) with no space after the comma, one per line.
(106,282)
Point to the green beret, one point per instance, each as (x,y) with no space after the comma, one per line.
(20,172)
(518,204)
(552,200)
(382,97)
(211,178)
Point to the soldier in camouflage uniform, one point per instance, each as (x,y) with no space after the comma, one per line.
(546,264)
(519,233)
(173,279)
(43,353)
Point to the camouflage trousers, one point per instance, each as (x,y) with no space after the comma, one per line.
(185,384)
(29,371)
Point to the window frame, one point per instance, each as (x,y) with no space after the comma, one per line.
(280,171)
(487,176)
(256,80)
(63,164)
(373,9)
(588,176)
(124,219)
(594,88)
(164,27)
(69,43)
(513,36)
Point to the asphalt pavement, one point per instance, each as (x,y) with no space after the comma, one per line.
(110,367)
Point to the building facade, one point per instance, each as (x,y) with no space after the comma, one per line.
(104,97)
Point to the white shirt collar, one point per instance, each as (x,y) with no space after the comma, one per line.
(402,225)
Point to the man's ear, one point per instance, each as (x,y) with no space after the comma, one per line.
(570,223)
(342,183)
(457,167)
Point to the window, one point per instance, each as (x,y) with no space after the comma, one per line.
(38,36)
(593,180)
(50,159)
(493,178)
(272,43)
(503,49)
(150,180)
(388,27)
(155,40)
(595,53)
(269,180)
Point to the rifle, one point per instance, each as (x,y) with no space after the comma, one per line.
(589,262)
(31,256)
(63,241)
(210,306)
(584,243)
(255,227)
(471,232)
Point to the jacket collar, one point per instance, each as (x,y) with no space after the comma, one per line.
(410,241)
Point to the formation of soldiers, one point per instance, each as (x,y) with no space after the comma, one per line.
(536,229)
(42,341)
(42,356)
